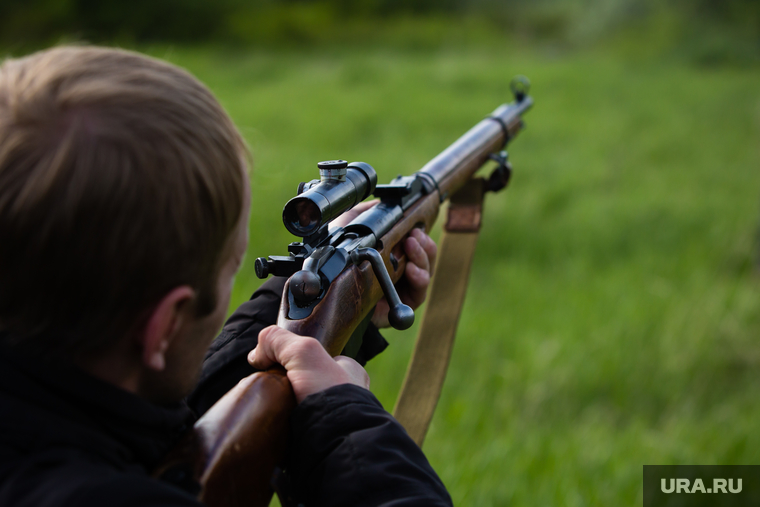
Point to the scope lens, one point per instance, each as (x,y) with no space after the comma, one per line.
(303,216)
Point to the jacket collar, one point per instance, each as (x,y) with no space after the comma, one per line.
(52,405)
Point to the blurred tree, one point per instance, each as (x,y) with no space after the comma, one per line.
(715,30)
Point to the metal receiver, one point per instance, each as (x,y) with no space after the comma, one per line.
(325,252)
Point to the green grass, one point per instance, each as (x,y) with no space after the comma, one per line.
(613,315)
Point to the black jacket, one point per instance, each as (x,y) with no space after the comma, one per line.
(68,439)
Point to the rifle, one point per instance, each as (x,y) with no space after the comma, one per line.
(336,277)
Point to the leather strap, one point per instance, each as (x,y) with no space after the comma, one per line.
(430,360)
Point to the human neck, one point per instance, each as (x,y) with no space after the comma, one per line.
(119,366)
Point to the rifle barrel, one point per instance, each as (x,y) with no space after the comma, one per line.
(456,164)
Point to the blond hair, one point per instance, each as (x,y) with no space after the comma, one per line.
(121,177)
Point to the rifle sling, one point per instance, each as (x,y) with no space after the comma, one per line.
(427,369)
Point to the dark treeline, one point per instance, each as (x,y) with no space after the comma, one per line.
(723,25)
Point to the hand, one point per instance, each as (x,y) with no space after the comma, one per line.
(310,368)
(354,212)
(420,252)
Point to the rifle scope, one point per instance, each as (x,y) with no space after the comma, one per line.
(341,187)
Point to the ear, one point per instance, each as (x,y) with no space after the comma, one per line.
(163,324)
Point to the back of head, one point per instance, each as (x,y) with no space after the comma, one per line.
(121,177)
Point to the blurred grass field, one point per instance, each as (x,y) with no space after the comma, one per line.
(613,313)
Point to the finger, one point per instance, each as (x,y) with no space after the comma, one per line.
(354,212)
(277,345)
(272,341)
(427,243)
(415,253)
(418,278)
(260,357)
(380,315)
(364,206)
(354,370)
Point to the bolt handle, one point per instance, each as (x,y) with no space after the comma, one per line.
(400,316)
(306,285)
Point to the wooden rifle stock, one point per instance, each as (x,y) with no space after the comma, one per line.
(236,446)
(233,449)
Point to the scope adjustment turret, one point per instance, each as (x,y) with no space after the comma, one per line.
(332,170)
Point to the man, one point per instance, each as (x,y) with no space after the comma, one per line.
(124,208)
